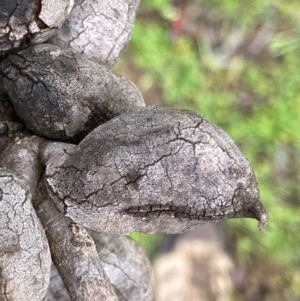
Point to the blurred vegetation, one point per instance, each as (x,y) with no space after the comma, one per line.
(237,63)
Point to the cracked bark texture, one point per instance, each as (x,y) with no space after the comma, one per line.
(24,252)
(63,96)
(126,265)
(35,20)
(154,170)
(74,254)
(21,157)
(99,29)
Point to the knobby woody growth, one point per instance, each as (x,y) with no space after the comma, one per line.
(83,161)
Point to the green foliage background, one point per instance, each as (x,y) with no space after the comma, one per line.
(256,99)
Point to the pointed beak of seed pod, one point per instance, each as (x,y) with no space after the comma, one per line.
(262,221)
(261,216)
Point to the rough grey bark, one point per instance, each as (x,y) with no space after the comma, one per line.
(74,254)
(21,157)
(63,96)
(51,15)
(99,29)
(126,266)
(154,170)
(24,20)
(24,252)
(14,22)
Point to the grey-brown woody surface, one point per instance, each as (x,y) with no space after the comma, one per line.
(61,95)
(74,254)
(126,265)
(99,29)
(24,20)
(24,252)
(154,170)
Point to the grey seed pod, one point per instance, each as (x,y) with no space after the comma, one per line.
(99,29)
(63,96)
(154,170)
(25,20)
